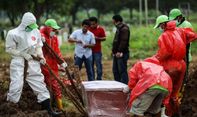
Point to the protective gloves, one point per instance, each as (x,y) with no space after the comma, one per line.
(39,52)
(27,57)
(18,53)
(43,39)
(43,61)
(40,55)
(31,50)
(64,65)
(126,89)
(13,52)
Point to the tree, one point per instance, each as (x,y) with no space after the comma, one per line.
(14,9)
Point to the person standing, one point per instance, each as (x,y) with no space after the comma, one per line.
(48,32)
(181,22)
(172,49)
(84,41)
(120,49)
(22,43)
(99,34)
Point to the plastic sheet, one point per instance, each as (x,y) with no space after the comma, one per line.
(105,98)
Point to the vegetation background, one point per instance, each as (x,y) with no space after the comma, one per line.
(70,13)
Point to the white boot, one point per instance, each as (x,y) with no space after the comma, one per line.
(163,112)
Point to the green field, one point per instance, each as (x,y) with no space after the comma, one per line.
(143,43)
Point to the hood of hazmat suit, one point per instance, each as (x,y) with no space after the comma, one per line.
(20,41)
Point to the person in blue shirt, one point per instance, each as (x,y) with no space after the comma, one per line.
(84,41)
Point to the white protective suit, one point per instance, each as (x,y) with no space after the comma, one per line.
(20,43)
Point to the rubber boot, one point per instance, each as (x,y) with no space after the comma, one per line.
(46,105)
(157,115)
(59,103)
(138,116)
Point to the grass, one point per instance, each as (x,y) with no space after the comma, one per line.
(143,43)
(4,56)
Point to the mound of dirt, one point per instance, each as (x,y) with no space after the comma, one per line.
(27,106)
(189,102)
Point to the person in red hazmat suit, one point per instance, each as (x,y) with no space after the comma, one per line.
(176,14)
(149,85)
(172,50)
(22,43)
(48,33)
(181,22)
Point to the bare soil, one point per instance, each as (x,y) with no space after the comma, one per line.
(28,106)
(189,101)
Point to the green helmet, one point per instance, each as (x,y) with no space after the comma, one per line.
(174,13)
(161,19)
(52,23)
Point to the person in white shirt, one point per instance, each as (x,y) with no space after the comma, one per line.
(84,40)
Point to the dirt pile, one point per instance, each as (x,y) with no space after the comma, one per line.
(189,102)
(28,106)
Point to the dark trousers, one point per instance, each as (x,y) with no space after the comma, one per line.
(120,68)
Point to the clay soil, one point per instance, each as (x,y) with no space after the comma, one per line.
(28,106)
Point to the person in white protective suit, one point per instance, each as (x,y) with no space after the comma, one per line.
(22,43)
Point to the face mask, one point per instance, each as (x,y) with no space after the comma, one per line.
(52,34)
(28,29)
(160,29)
(177,22)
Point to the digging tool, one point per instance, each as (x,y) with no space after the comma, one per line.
(25,68)
(187,63)
(66,69)
(67,92)
(186,77)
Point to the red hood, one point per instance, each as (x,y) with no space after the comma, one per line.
(45,30)
(153,59)
(171,25)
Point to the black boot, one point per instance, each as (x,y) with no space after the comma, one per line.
(46,105)
(157,115)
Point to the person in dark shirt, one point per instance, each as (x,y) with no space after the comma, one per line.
(120,50)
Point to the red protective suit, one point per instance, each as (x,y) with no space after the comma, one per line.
(172,50)
(145,74)
(51,61)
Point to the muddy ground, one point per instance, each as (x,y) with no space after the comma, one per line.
(28,107)
(189,103)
